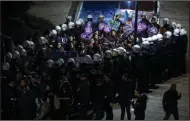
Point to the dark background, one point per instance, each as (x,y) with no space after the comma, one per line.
(95,8)
(17,23)
(143,5)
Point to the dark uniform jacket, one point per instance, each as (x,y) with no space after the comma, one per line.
(169,100)
(125,93)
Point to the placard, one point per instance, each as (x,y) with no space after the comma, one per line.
(101,26)
(88,30)
(83,35)
(114,24)
(107,28)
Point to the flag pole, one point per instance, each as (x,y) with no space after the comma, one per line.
(136,18)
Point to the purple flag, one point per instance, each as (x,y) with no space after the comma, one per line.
(107,29)
(88,30)
(152,30)
(83,35)
(101,26)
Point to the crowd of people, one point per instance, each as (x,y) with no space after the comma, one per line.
(78,70)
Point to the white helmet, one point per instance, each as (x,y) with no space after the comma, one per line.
(121,51)
(71,60)
(166,21)
(154,19)
(176,32)
(42,41)
(145,43)
(108,53)
(174,25)
(89,16)
(71,25)
(23,53)
(149,39)
(101,16)
(64,27)
(32,45)
(167,34)
(58,29)
(6,66)
(87,58)
(154,38)
(9,55)
(144,15)
(178,26)
(115,52)
(97,57)
(182,32)
(136,48)
(19,47)
(53,32)
(60,62)
(26,44)
(49,63)
(16,55)
(69,18)
(78,23)
(82,21)
(144,39)
(185,32)
(160,37)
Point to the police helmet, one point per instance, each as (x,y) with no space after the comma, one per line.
(6,66)
(64,27)
(89,16)
(16,55)
(167,34)
(58,29)
(174,25)
(49,63)
(108,54)
(71,25)
(160,37)
(9,55)
(176,32)
(178,26)
(166,21)
(182,32)
(42,41)
(71,60)
(97,57)
(23,53)
(136,48)
(26,44)
(53,32)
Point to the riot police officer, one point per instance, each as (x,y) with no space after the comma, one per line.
(166,26)
(83,96)
(183,39)
(9,103)
(137,67)
(146,53)
(125,96)
(108,97)
(176,51)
